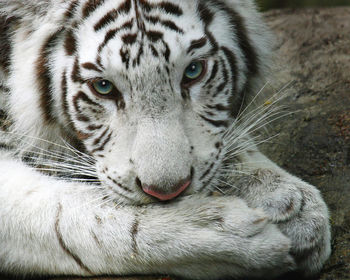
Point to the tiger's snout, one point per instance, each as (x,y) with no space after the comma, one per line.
(162,159)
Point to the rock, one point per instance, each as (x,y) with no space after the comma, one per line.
(313,57)
(313,50)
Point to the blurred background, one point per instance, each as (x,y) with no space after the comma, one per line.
(271,4)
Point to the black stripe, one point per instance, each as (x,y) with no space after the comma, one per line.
(94,127)
(129,39)
(216,123)
(125,56)
(76,75)
(113,15)
(91,6)
(197,44)
(44,77)
(99,139)
(119,185)
(140,53)
(91,66)
(70,43)
(168,7)
(64,245)
(238,23)
(4,146)
(236,98)
(213,73)
(111,33)
(5,43)
(134,231)
(81,96)
(205,174)
(225,76)
(64,95)
(103,144)
(69,14)
(154,36)
(219,107)
(207,17)
(167,23)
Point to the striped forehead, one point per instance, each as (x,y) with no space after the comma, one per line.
(121,29)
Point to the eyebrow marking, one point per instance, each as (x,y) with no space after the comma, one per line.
(91,66)
(197,44)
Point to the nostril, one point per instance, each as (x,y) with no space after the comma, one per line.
(156,192)
(138,182)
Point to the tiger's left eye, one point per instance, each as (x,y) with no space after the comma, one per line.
(193,73)
(103,87)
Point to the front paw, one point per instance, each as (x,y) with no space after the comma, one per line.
(309,232)
(228,232)
(280,199)
(299,211)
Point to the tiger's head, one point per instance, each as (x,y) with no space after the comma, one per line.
(149,87)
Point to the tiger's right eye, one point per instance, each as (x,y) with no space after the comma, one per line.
(103,87)
(194,73)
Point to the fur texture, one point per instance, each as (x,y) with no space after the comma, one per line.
(93,166)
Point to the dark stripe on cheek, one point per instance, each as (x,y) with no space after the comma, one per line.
(64,95)
(76,76)
(101,148)
(216,123)
(70,43)
(236,98)
(94,127)
(82,97)
(44,77)
(225,76)
(206,173)
(213,73)
(99,139)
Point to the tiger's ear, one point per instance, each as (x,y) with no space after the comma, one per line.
(25,9)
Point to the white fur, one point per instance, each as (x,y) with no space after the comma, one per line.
(264,225)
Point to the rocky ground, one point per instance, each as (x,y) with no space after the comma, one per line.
(313,143)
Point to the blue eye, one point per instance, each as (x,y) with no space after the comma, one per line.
(103,87)
(193,72)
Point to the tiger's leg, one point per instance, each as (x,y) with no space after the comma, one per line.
(50,227)
(295,206)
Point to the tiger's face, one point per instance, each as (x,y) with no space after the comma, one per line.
(151,88)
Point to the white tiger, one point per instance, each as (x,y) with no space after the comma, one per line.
(146,96)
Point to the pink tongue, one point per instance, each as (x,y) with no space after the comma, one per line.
(165,197)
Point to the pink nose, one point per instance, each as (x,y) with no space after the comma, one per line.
(153,191)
